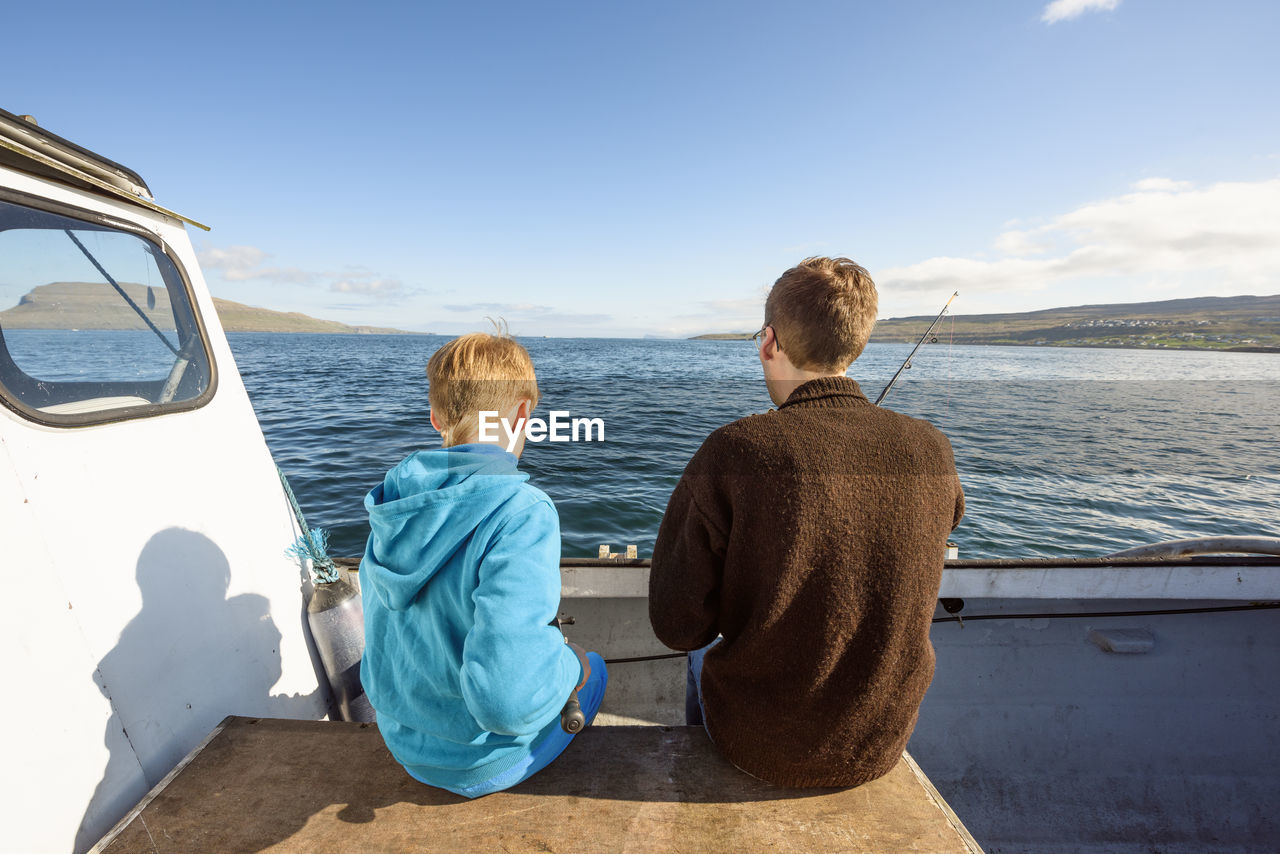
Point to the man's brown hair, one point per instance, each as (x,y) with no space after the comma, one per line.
(822,311)
(474,373)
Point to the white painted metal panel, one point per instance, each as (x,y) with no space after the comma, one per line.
(58,720)
(153,574)
(1230,582)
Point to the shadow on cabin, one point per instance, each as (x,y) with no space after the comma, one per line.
(171,664)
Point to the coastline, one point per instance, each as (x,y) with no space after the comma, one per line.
(1083,345)
(1249,324)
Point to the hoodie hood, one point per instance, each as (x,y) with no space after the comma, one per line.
(425,511)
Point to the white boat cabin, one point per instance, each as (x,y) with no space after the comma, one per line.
(143,519)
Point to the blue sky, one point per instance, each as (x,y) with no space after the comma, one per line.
(629,169)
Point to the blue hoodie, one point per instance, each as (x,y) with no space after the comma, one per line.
(460,578)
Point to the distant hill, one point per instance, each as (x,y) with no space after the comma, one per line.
(94,305)
(1200,323)
(723,336)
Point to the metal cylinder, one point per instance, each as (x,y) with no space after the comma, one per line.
(336,617)
(572,720)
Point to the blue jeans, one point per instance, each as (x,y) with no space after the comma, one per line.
(553,743)
(693,687)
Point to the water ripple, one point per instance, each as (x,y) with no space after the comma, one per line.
(1061,452)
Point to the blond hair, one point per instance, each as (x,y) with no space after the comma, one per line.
(475,373)
(822,311)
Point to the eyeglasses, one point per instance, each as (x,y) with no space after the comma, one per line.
(758,338)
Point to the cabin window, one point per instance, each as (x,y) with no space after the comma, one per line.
(97,322)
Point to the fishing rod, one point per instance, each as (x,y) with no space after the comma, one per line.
(907,363)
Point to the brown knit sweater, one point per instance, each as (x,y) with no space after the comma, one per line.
(812,539)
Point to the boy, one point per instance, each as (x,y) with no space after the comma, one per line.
(460,580)
(811,540)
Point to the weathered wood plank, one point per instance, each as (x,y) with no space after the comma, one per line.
(302,786)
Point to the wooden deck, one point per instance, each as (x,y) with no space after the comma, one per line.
(306,786)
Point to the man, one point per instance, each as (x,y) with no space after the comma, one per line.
(811,540)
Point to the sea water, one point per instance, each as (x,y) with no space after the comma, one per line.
(1062,452)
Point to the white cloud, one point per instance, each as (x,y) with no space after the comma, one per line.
(523,312)
(576,320)
(247,263)
(233,257)
(373,287)
(1065,10)
(743,314)
(1016,242)
(241,263)
(1223,234)
(500,307)
(1159,184)
(751,308)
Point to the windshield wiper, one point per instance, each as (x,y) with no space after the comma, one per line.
(120,290)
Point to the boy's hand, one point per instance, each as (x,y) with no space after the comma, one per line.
(582,658)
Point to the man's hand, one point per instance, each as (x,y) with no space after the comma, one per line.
(586,665)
